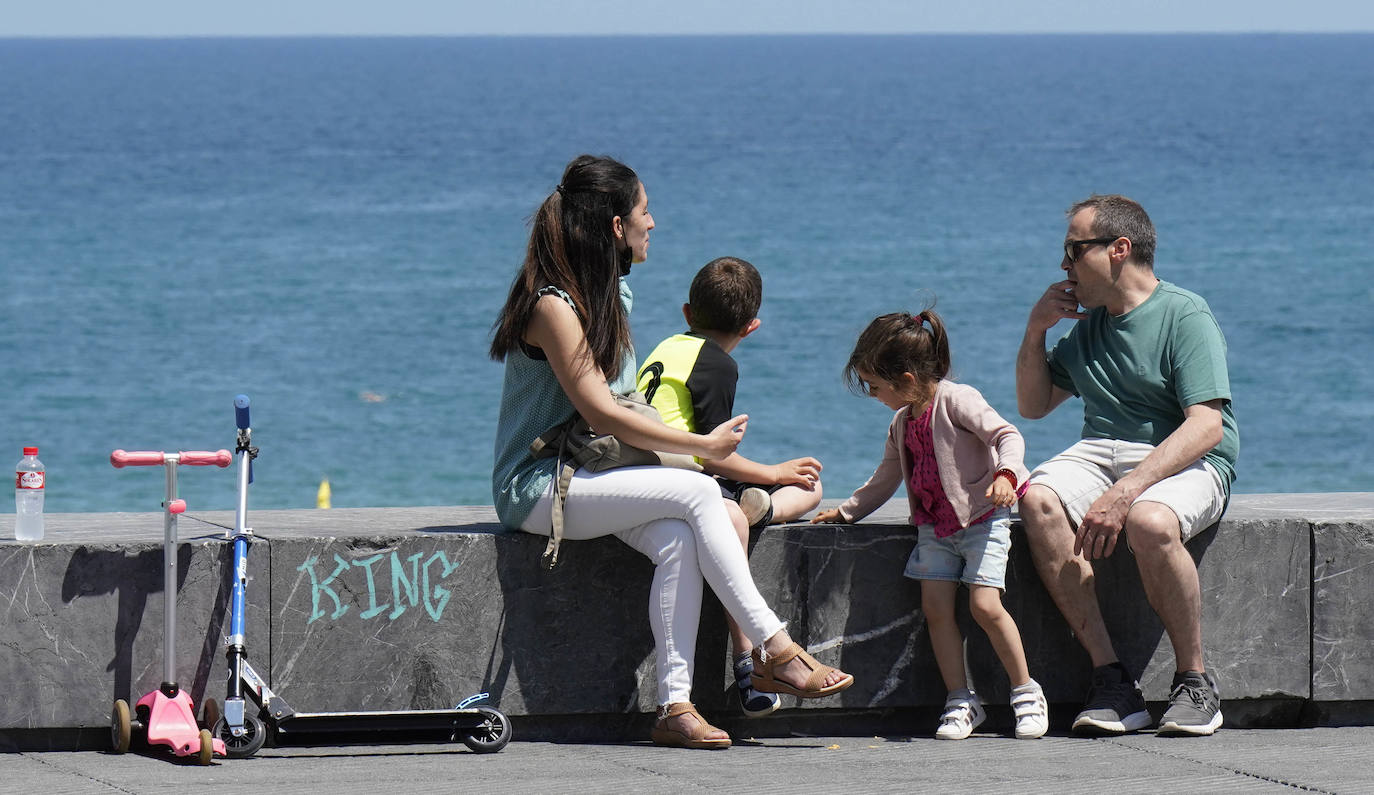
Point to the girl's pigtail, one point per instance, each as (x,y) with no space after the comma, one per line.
(939,353)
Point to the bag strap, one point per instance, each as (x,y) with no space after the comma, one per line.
(566,469)
(560,497)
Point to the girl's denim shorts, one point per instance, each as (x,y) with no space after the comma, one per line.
(976,555)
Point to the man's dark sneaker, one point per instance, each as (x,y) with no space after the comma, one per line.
(1194,705)
(1115,704)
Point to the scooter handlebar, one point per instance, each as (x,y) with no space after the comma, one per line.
(148,458)
(205,458)
(120,459)
(241,412)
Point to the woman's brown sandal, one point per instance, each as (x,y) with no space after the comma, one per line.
(765,674)
(695,738)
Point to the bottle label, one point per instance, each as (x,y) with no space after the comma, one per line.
(28,480)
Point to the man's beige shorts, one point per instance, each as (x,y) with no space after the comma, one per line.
(1082,473)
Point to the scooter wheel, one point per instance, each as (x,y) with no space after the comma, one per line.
(209,714)
(252,739)
(492,735)
(207,747)
(121,727)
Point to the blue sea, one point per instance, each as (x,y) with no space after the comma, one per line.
(330,226)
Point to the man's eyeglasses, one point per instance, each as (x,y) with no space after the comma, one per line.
(1073,249)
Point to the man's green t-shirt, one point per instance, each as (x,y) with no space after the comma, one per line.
(1137,372)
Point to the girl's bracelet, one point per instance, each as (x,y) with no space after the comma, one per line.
(1011,476)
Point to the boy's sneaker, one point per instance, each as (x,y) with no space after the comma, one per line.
(754,703)
(1194,705)
(963,713)
(1115,704)
(757,505)
(1031,711)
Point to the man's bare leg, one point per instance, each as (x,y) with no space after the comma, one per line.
(1067,577)
(1170,579)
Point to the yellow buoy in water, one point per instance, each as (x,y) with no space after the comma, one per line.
(322,496)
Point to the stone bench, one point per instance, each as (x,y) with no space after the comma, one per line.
(422,607)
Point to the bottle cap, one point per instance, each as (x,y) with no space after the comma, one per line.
(30,451)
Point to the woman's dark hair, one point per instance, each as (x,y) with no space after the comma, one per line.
(900,343)
(573,247)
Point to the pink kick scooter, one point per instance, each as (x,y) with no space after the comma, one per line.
(166,716)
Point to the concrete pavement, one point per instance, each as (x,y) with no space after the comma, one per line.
(1324,760)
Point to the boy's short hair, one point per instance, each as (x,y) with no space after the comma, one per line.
(725,295)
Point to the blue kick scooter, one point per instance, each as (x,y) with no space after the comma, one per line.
(244,730)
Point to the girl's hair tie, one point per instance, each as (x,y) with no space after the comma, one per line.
(562,191)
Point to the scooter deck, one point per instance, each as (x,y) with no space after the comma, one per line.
(398,720)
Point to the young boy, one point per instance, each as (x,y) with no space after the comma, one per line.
(690,378)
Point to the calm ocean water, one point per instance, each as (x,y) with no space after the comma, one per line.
(329,225)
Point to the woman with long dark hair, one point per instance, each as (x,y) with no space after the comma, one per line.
(564,336)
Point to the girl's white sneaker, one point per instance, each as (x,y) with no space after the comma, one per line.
(1031,711)
(963,713)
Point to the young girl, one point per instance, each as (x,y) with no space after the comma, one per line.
(961,464)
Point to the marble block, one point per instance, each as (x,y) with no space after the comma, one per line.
(1342,622)
(841,591)
(83,626)
(1255,604)
(424,621)
(373,609)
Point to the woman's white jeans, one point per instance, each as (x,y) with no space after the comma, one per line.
(677,518)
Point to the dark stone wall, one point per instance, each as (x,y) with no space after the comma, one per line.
(1343,621)
(420,608)
(82,625)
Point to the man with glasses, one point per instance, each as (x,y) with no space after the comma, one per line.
(1156,461)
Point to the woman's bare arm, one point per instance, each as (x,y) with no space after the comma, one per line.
(555,328)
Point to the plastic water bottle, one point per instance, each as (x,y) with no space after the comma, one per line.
(28,497)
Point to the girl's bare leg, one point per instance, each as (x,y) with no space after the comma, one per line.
(985,602)
(937,603)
